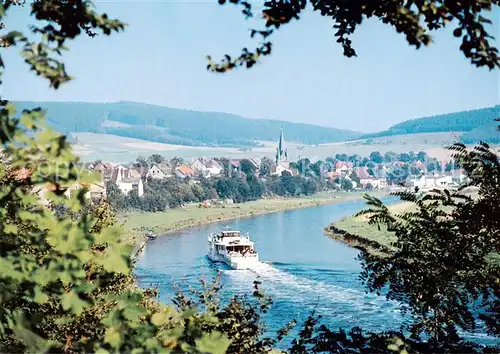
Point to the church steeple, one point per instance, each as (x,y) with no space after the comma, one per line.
(280,151)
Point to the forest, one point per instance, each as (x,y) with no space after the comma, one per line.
(478,124)
(180,126)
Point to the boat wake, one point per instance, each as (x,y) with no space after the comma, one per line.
(313,294)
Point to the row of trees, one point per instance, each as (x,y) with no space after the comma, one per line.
(163,194)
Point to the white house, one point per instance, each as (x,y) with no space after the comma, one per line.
(213,167)
(278,169)
(433,181)
(207,168)
(127,180)
(198,167)
(155,172)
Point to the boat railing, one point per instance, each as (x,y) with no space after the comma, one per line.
(239,255)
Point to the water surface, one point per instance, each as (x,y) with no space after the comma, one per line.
(303,271)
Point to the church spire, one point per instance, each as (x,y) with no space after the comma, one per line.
(280,146)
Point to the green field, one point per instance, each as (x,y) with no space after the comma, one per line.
(119,149)
(358,225)
(136,223)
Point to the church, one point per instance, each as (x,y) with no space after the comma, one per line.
(281,162)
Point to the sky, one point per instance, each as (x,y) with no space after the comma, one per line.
(161,59)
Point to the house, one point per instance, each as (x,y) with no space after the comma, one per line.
(419,164)
(343,167)
(105,168)
(127,179)
(333,175)
(156,172)
(199,167)
(374,182)
(278,169)
(255,164)
(207,167)
(95,191)
(213,167)
(432,181)
(362,173)
(365,179)
(235,163)
(183,172)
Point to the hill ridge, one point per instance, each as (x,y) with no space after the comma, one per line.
(179,126)
(476,124)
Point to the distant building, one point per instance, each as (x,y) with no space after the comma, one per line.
(345,168)
(158,171)
(366,180)
(281,162)
(206,167)
(127,180)
(105,168)
(432,181)
(278,169)
(281,151)
(183,172)
(214,168)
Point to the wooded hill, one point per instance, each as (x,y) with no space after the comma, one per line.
(179,126)
(476,124)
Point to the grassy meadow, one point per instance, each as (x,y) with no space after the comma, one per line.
(358,225)
(117,149)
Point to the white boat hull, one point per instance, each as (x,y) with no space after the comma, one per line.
(236,263)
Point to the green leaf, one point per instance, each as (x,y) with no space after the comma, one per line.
(159,319)
(213,343)
(39,296)
(113,337)
(72,302)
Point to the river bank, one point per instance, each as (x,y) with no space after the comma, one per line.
(136,223)
(356,232)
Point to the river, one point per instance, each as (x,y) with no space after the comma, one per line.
(303,270)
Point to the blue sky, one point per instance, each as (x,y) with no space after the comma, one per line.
(160,59)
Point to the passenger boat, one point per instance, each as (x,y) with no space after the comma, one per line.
(232,248)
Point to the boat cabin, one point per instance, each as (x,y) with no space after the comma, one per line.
(232,242)
(232,248)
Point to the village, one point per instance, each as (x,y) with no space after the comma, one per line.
(388,172)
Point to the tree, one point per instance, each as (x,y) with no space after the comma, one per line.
(346,184)
(341,157)
(140,162)
(265,166)
(354,177)
(66,280)
(422,156)
(247,167)
(390,156)
(176,162)
(155,159)
(376,157)
(440,264)
(415,19)
(115,196)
